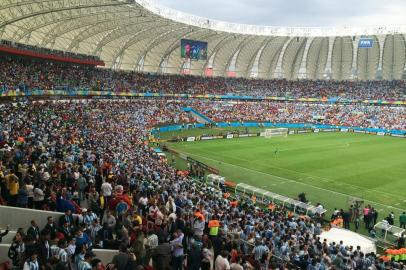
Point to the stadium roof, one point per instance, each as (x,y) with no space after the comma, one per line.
(139,35)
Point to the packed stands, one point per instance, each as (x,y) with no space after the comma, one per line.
(91,158)
(67,155)
(28,75)
(351,115)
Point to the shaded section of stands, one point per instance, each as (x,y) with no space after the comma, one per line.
(47,54)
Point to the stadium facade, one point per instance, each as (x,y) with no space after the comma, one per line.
(141,36)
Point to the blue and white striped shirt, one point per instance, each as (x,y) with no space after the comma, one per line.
(31,265)
(259,251)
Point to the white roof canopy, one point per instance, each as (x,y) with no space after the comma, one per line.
(142,36)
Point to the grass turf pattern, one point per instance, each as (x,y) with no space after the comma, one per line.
(332,168)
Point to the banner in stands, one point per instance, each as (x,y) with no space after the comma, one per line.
(107,93)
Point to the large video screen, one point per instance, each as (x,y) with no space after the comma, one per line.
(193,49)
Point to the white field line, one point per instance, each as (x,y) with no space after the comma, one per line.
(309,176)
(291,180)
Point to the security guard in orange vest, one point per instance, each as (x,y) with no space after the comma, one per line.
(214,225)
(254,199)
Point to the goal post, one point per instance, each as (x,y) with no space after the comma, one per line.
(276,132)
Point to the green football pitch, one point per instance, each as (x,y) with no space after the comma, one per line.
(331,168)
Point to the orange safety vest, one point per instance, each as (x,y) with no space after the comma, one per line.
(385,258)
(338,222)
(199,215)
(214,227)
(271,206)
(234,204)
(214,223)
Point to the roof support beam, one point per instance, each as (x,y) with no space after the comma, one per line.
(122,31)
(176,45)
(215,50)
(156,41)
(247,72)
(43,12)
(77,20)
(237,50)
(278,73)
(129,43)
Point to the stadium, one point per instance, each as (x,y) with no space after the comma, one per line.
(135,136)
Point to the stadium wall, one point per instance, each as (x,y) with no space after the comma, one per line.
(301,128)
(21,217)
(16,217)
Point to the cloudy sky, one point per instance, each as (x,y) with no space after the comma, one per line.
(297,12)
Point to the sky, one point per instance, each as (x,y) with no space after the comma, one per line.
(297,12)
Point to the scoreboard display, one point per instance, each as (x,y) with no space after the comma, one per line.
(193,49)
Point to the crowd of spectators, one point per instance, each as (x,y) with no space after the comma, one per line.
(353,115)
(67,156)
(43,50)
(28,75)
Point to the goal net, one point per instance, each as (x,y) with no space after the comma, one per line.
(276,132)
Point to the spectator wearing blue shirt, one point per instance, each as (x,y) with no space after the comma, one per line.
(82,238)
(121,208)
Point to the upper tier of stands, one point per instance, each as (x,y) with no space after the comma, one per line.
(27,75)
(20,49)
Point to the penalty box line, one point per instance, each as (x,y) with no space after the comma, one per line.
(291,180)
(308,176)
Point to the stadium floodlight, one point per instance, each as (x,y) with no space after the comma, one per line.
(276,132)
